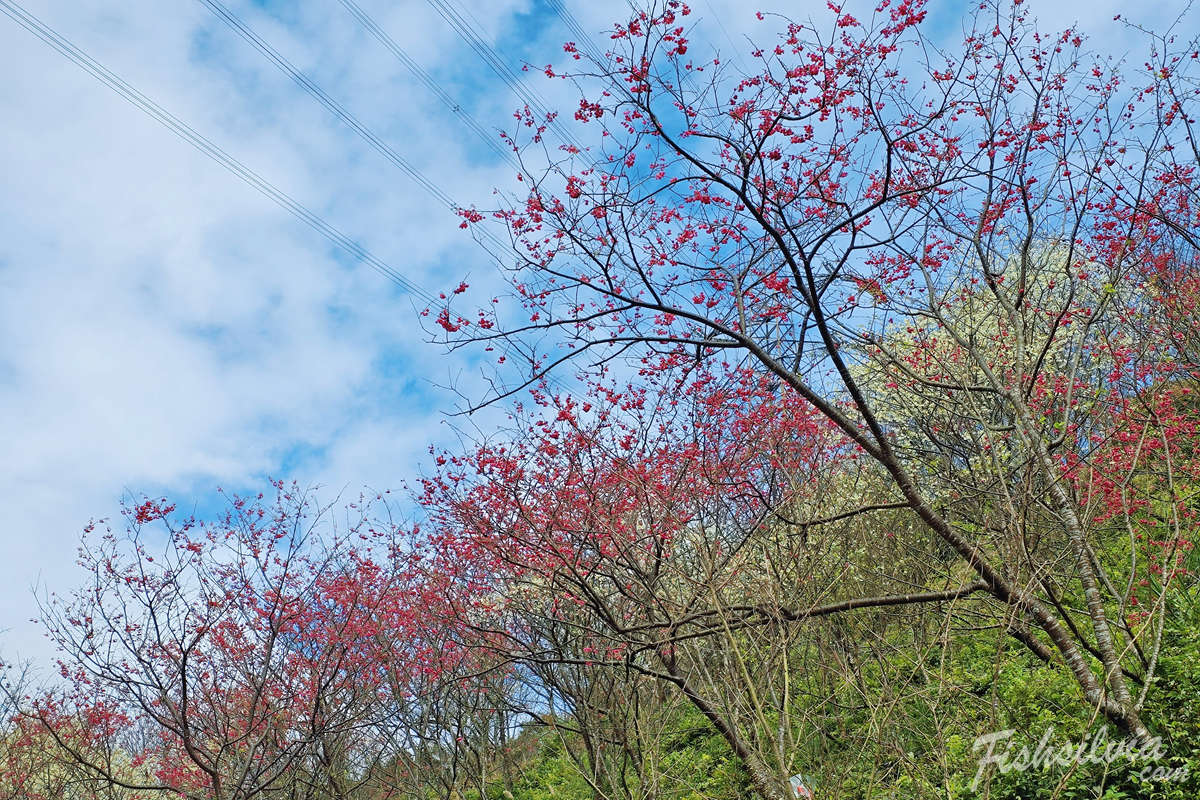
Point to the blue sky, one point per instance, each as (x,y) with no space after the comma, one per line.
(165,329)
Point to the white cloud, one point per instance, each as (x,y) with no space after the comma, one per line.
(164,327)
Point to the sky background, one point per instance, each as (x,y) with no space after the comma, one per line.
(166,330)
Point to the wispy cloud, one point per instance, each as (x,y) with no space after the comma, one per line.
(164,328)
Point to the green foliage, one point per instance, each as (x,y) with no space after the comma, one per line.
(695,764)
(925,746)
(550,775)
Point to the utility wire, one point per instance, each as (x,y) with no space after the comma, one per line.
(735,53)
(339,111)
(285,66)
(372,27)
(584,39)
(206,146)
(497,63)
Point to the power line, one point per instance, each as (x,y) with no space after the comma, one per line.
(273,55)
(339,111)
(498,64)
(584,39)
(206,146)
(735,52)
(372,27)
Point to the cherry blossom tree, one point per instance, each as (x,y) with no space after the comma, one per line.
(644,547)
(935,263)
(228,660)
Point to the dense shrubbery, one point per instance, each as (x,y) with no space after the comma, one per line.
(991,687)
